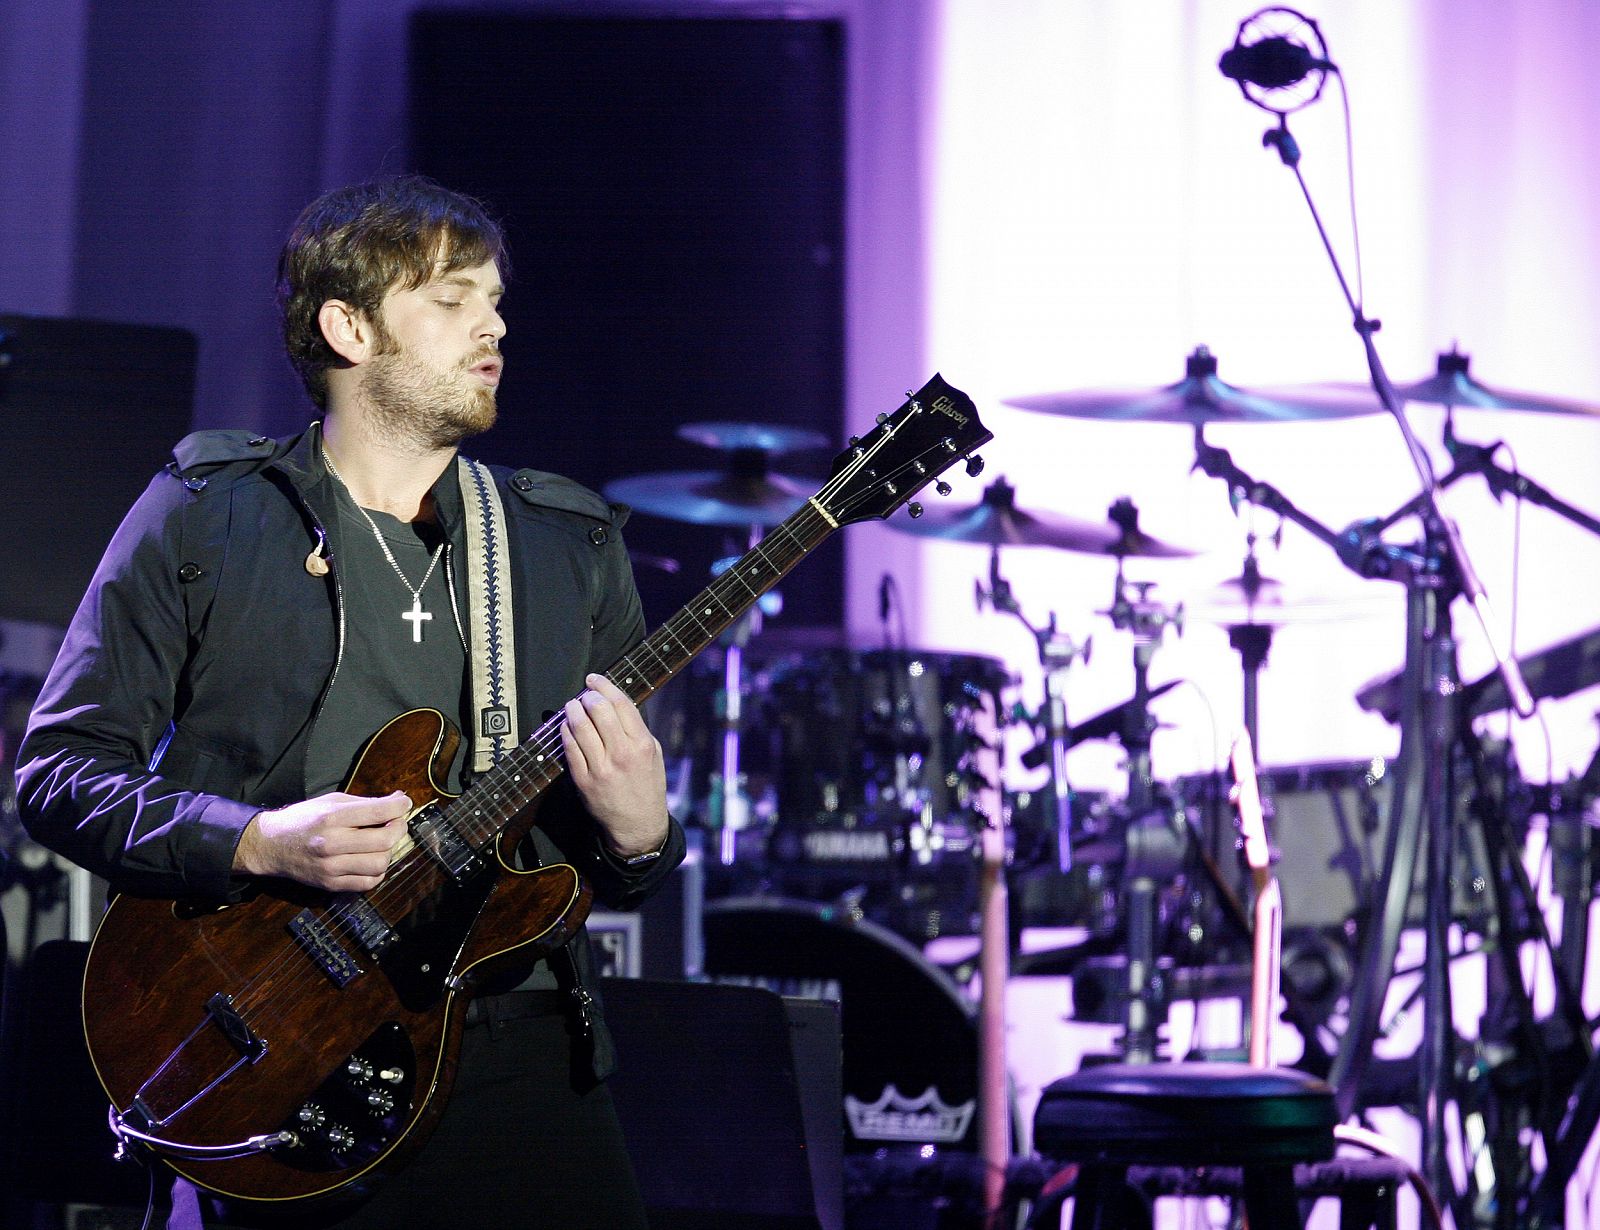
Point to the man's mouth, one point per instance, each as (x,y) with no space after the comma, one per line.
(489,371)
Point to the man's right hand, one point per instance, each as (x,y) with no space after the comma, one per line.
(340,842)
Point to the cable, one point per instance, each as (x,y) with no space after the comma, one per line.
(1350,180)
(1365,1138)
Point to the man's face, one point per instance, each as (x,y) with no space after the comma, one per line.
(438,363)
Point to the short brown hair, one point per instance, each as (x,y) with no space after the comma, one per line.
(359,243)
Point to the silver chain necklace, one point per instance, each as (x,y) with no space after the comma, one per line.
(416,615)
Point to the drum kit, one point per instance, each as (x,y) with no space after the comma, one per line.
(841,791)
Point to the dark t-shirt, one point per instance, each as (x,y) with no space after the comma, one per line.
(384,669)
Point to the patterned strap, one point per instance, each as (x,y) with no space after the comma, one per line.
(493,648)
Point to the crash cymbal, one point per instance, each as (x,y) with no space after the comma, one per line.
(997,522)
(760,436)
(1201,398)
(1453,385)
(1550,674)
(713,497)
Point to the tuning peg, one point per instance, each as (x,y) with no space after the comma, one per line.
(883,418)
(974,466)
(915,510)
(942,487)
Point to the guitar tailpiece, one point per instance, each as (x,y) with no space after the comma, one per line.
(243,1148)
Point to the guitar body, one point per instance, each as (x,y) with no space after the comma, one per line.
(311,986)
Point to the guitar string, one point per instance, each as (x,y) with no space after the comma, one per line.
(545,744)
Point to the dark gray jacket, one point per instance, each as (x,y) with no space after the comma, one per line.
(184,695)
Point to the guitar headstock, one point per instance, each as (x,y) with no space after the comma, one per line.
(935,427)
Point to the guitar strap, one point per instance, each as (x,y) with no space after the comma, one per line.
(493,643)
(493,657)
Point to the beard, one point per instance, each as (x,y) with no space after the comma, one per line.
(409,401)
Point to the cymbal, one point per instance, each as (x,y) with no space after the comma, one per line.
(713,497)
(1453,385)
(1200,398)
(764,437)
(1560,670)
(1232,603)
(996,521)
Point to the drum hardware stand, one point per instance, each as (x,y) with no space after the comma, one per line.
(1432,726)
(730,807)
(1155,846)
(1433,576)
(1057,652)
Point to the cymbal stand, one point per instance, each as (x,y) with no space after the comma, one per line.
(730,808)
(1155,846)
(1251,641)
(1057,652)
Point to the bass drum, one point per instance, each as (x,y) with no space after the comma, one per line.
(910,1037)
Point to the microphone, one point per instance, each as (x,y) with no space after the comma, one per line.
(1272,64)
(1275,50)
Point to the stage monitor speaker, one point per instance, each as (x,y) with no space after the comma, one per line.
(89,411)
(729,1100)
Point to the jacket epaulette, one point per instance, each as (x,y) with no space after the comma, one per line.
(201,453)
(544,490)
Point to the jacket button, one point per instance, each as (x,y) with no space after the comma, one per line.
(195,484)
(598,536)
(258,441)
(190,572)
(522,482)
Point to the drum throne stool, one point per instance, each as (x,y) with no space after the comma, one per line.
(1137,1131)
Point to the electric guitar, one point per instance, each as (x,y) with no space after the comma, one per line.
(301,1042)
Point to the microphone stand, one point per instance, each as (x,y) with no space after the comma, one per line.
(1423,791)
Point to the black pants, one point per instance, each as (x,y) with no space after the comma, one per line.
(521,1145)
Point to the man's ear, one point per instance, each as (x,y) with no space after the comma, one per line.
(347,330)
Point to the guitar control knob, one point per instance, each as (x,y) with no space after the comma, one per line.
(380,1101)
(312,1115)
(339,1137)
(358,1069)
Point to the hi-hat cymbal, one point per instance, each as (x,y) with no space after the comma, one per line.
(997,522)
(1201,398)
(1453,385)
(765,437)
(713,497)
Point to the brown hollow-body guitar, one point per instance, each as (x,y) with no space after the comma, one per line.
(302,1043)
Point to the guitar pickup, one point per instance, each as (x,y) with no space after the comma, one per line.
(370,929)
(436,835)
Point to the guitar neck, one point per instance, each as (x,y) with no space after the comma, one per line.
(719,605)
(504,791)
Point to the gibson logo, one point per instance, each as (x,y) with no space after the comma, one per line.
(926,1120)
(943,405)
